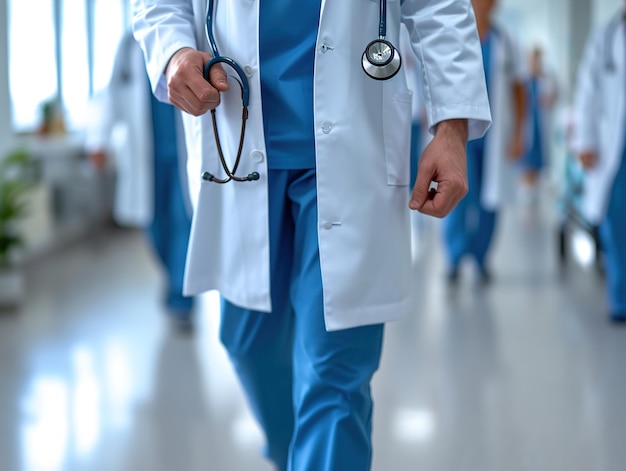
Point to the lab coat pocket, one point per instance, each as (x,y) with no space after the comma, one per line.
(397,136)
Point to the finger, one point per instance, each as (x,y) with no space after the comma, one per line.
(218,77)
(195,96)
(443,200)
(419,195)
(190,103)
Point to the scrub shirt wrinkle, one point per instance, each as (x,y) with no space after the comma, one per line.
(287,38)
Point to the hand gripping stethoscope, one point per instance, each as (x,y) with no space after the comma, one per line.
(245,98)
(381,61)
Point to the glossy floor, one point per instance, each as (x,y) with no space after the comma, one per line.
(524,374)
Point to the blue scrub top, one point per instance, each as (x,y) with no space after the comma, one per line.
(287,37)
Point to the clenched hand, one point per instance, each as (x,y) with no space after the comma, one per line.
(187,88)
(444,162)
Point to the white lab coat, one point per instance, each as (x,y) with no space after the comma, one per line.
(600,114)
(119,122)
(362,138)
(500,177)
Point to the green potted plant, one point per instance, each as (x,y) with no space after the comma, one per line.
(15,182)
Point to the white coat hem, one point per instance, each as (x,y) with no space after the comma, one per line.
(348,319)
(259,302)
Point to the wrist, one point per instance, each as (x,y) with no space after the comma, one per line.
(175,57)
(453,129)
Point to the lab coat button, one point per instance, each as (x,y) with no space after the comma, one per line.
(326,127)
(327,225)
(257,156)
(249,70)
(325,48)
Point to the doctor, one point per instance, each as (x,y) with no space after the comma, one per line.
(313,256)
(141,134)
(599,139)
(469,229)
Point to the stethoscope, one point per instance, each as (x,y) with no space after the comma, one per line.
(380,61)
(245,99)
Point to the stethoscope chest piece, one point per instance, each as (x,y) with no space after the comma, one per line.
(381,60)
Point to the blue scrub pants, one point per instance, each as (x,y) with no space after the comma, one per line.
(613,237)
(169,232)
(308,388)
(469,228)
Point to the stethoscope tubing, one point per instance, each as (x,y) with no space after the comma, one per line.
(242,79)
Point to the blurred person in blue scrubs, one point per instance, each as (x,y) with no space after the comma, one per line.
(599,139)
(314,256)
(469,229)
(541,96)
(141,134)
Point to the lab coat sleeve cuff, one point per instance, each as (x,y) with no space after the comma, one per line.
(478,118)
(156,67)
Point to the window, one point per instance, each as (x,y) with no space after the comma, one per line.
(60,49)
(32,63)
(74,62)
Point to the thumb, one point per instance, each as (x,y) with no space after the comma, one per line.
(218,78)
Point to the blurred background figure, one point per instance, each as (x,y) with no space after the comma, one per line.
(540,96)
(469,229)
(599,139)
(142,135)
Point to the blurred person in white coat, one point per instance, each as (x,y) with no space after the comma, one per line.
(141,138)
(470,227)
(599,138)
(311,252)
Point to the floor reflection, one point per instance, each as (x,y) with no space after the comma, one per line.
(524,374)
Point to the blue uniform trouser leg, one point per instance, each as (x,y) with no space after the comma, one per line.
(460,225)
(309,388)
(416,150)
(455,232)
(613,236)
(482,236)
(169,230)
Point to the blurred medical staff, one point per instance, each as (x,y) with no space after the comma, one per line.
(469,228)
(540,96)
(141,133)
(599,139)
